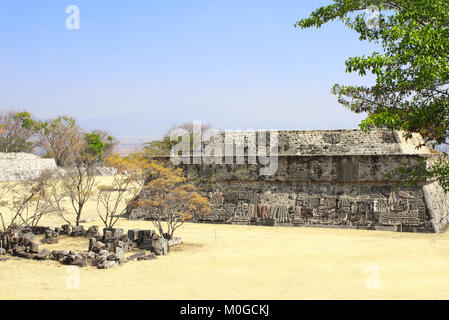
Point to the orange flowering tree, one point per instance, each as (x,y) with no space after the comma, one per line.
(170,199)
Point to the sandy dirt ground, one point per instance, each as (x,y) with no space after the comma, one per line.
(241,262)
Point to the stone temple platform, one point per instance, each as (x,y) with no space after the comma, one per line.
(325,178)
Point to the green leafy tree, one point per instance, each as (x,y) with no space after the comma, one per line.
(94,145)
(17,130)
(411,90)
(110,142)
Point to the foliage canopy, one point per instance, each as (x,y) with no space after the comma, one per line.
(411,91)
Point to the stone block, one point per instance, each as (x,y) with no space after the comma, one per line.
(42,255)
(133,234)
(98,260)
(58,255)
(78,231)
(135,256)
(103,252)
(92,232)
(174,241)
(119,253)
(160,247)
(117,232)
(149,256)
(33,247)
(92,244)
(146,244)
(66,229)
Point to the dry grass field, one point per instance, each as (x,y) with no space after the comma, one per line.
(241,262)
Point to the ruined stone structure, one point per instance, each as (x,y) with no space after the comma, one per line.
(105,251)
(332,178)
(23,166)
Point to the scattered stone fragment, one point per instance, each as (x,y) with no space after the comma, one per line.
(136,256)
(119,254)
(40,230)
(75,259)
(149,256)
(51,237)
(92,244)
(26,237)
(133,234)
(96,246)
(58,255)
(91,255)
(107,234)
(146,244)
(66,229)
(104,252)
(107,264)
(92,232)
(42,255)
(25,255)
(160,247)
(78,231)
(33,247)
(68,259)
(80,260)
(155,236)
(98,260)
(117,232)
(174,241)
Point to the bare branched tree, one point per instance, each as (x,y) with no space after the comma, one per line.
(29,201)
(5,193)
(78,153)
(126,185)
(62,138)
(77,183)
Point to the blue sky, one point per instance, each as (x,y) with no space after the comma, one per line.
(136,67)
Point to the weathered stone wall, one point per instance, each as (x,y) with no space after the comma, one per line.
(340,191)
(23,166)
(336,142)
(356,168)
(330,178)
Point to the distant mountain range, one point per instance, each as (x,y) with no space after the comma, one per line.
(132,143)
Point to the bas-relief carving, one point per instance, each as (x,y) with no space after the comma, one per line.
(363,210)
